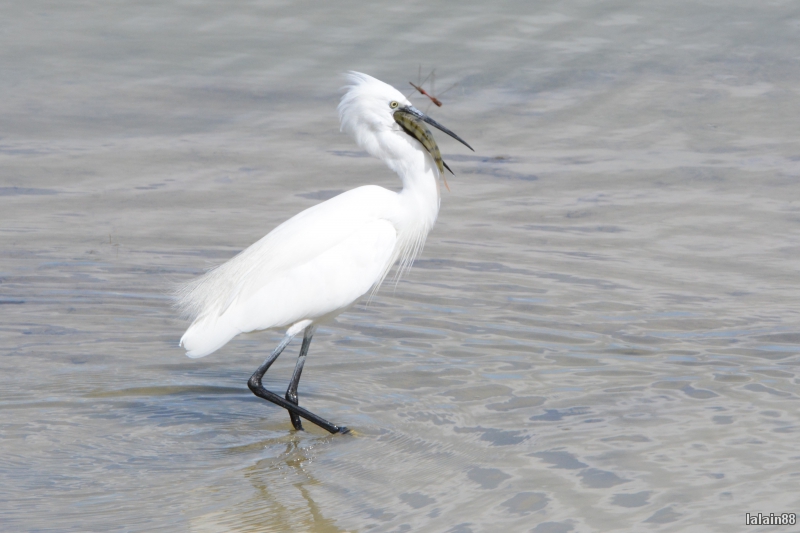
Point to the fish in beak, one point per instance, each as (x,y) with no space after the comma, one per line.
(412,120)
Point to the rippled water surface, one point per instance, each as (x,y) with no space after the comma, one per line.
(600,335)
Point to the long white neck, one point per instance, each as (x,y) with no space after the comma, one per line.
(420,193)
(419,200)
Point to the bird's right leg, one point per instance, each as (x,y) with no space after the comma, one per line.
(254,383)
(291,392)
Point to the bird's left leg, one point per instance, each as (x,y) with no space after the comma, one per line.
(291,392)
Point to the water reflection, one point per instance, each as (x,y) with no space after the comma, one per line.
(281,498)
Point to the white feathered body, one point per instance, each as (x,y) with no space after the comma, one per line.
(319,262)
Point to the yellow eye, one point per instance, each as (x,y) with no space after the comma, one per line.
(394,104)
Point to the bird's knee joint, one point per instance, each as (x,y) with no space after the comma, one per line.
(254,384)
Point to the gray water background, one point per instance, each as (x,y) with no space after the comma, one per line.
(600,335)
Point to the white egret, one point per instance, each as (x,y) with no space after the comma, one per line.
(319,262)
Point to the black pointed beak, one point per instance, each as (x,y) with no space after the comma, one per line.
(422,116)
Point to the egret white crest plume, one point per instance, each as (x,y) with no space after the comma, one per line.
(319,262)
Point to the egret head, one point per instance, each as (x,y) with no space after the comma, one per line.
(378,116)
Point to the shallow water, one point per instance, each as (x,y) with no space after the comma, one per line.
(600,335)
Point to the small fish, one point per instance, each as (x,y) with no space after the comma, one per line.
(417,129)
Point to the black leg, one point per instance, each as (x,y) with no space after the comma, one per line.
(291,392)
(258,389)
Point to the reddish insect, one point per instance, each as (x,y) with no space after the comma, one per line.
(431,93)
(424,92)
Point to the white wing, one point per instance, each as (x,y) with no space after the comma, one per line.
(314,264)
